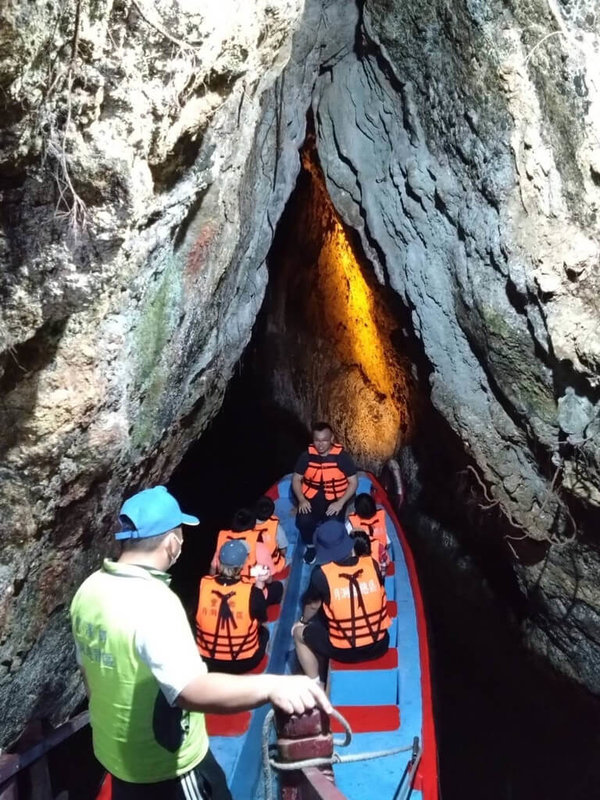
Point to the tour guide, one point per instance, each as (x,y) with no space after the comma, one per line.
(145,678)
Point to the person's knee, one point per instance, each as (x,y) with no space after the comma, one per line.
(298,633)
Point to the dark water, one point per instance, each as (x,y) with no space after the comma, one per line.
(508,727)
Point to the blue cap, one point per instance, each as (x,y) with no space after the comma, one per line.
(153,511)
(332,542)
(233,553)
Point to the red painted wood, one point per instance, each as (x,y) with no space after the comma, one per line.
(299,726)
(321,785)
(105,792)
(368,719)
(283,574)
(391,569)
(273,612)
(392,608)
(387,661)
(320,746)
(228,724)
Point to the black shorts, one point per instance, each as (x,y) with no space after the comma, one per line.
(316,636)
(205,782)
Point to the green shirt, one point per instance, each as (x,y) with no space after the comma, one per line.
(133,637)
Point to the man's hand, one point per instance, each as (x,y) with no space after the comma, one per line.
(296,694)
(334,508)
(304,506)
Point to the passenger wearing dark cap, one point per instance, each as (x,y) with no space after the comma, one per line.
(345,607)
(148,687)
(231,609)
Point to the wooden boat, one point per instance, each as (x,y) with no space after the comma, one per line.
(387,702)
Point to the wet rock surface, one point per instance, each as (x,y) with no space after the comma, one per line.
(148,152)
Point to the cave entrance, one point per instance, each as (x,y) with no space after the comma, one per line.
(328,338)
(326,345)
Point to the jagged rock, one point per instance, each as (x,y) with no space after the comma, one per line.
(140,168)
(147,155)
(460,144)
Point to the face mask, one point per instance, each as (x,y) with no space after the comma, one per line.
(174,558)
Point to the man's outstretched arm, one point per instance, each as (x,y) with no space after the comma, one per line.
(217,692)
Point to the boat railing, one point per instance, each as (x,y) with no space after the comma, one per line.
(33,758)
(407,781)
(306,756)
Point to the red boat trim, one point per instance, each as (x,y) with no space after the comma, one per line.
(427,772)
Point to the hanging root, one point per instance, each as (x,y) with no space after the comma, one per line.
(552,539)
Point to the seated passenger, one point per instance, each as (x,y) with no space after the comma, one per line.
(229,633)
(362,543)
(259,565)
(369,518)
(323,482)
(345,607)
(271,531)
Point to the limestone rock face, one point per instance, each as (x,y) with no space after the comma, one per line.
(147,153)
(463,140)
(142,172)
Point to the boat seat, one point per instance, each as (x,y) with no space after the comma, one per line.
(388,660)
(392,609)
(372,683)
(364,485)
(228,724)
(234,724)
(285,488)
(391,569)
(273,612)
(368,719)
(260,667)
(282,574)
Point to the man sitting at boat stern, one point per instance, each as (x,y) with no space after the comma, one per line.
(229,632)
(323,482)
(146,682)
(345,607)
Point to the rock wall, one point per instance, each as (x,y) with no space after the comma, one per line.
(461,141)
(147,154)
(142,173)
(329,347)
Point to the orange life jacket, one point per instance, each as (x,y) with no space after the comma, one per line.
(224,628)
(357,611)
(250,537)
(267,533)
(324,473)
(375,527)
